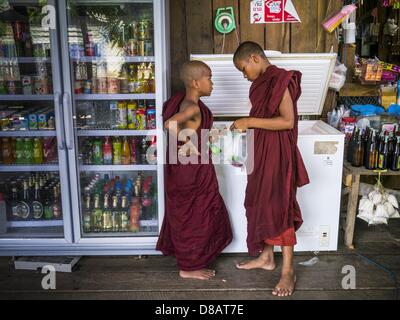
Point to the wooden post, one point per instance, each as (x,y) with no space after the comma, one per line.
(351,212)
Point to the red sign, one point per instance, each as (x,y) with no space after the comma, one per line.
(273,11)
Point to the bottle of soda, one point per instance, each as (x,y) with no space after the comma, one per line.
(7,151)
(352,143)
(143,151)
(87,219)
(116,217)
(56,206)
(358,152)
(107,215)
(107,151)
(114,115)
(98,152)
(396,156)
(126,153)
(132,143)
(37,204)
(372,152)
(37,151)
(117,151)
(48,210)
(97,215)
(15,205)
(25,203)
(124,214)
(383,154)
(134,211)
(28,150)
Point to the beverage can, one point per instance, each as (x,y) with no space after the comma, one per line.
(33,121)
(102,85)
(113,85)
(27,85)
(44,86)
(151,119)
(40,85)
(87,89)
(141,119)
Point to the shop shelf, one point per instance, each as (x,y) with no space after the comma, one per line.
(100,168)
(28,133)
(28,168)
(129,96)
(115,133)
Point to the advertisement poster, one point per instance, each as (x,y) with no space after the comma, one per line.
(273,11)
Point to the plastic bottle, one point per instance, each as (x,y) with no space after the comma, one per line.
(38,151)
(126,153)
(107,151)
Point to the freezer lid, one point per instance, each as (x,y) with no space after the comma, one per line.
(230,97)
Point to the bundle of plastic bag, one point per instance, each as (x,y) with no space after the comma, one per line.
(338,77)
(378,207)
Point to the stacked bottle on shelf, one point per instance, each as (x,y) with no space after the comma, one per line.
(137,36)
(117,115)
(18,42)
(26,118)
(120,206)
(375,150)
(101,77)
(118,150)
(32,197)
(28,151)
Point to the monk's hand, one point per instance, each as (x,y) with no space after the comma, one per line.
(240,124)
(188,149)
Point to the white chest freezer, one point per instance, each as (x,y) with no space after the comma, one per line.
(321,147)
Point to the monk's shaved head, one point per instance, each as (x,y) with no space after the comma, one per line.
(193,70)
(248,48)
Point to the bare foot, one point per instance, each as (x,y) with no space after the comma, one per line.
(286,285)
(258,263)
(203,274)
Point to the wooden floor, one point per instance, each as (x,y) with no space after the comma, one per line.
(156,277)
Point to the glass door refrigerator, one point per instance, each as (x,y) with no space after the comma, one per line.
(34,192)
(114,57)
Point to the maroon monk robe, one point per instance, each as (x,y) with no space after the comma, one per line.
(196,226)
(271,205)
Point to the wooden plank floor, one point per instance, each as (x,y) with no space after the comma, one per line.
(156,277)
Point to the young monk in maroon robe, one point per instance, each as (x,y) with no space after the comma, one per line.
(196,226)
(272,211)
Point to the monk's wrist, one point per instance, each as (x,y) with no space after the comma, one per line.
(249,123)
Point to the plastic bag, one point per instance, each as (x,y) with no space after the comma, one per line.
(338,77)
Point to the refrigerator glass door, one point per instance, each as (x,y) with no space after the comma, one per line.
(34,191)
(111,121)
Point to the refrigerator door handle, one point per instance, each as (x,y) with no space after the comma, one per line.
(59,122)
(67,108)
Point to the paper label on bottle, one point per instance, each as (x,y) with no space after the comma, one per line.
(37,209)
(25,210)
